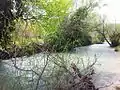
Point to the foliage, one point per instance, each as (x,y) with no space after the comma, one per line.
(115,39)
(32,21)
(7,16)
(97,38)
(113,34)
(51,13)
(40,21)
(74,30)
(117,48)
(51,22)
(26,33)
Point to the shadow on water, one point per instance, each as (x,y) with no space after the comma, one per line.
(4,77)
(8,80)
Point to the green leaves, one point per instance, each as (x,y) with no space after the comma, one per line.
(55,11)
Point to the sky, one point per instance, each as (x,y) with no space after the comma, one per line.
(111,11)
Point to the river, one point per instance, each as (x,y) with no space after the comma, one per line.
(107,67)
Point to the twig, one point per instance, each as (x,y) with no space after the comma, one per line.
(42,73)
(21,69)
(63,65)
(91,64)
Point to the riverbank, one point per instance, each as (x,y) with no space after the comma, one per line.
(16,51)
(117,49)
(31,49)
(27,50)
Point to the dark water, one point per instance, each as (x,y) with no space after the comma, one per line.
(107,67)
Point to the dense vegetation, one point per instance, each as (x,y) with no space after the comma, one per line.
(30,24)
(51,24)
(73,32)
(7,17)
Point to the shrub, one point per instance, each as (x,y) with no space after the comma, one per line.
(115,39)
(97,39)
(73,32)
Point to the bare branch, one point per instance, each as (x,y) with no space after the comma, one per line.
(21,69)
(42,72)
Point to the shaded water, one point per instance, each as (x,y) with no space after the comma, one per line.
(107,67)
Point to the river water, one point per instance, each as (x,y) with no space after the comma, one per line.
(107,67)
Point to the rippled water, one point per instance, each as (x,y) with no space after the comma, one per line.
(107,67)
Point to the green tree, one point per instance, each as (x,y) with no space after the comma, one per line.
(74,30)
(45,15)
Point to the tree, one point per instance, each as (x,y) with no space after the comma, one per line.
(102,30)
(74,30)
(9,11)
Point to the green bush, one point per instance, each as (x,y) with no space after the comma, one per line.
(97,39)
(64,41)
(73,32)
